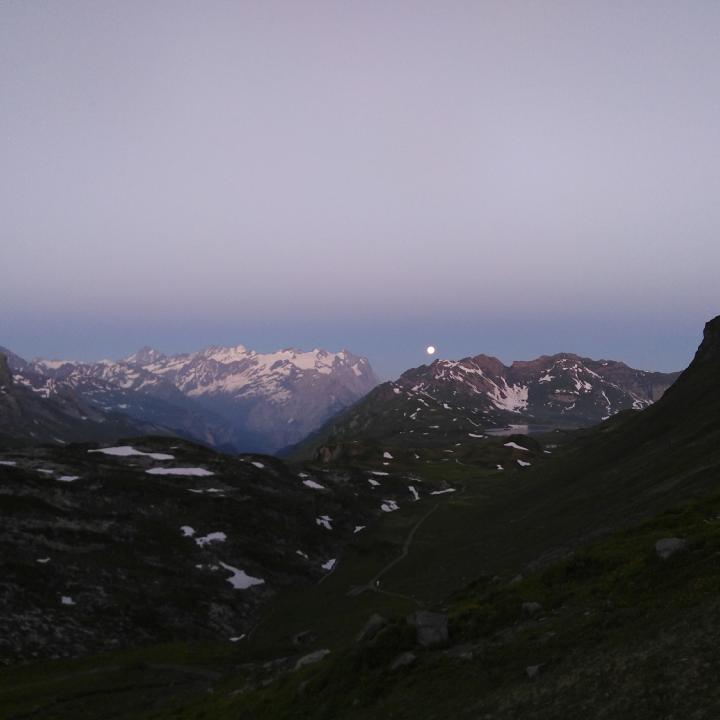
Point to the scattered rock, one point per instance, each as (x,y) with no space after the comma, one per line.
(328,454)
(402,660)
(311,658)
(370,629)
(532,671)
(432,628)
(531,608)
(461,652)
(667,547)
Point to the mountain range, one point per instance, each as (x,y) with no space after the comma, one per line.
(228,397)
(453,400)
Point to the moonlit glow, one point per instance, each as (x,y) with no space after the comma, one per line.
(430,349)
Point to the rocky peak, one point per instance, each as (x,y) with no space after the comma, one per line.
(14,361)
(145,356)
(709,350)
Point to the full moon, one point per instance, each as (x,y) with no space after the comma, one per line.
(430,349)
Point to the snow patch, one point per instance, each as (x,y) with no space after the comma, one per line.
(210,537)
(324,521)
(312,484)
(194,471)
(515,446)
(239,579)
(129,451)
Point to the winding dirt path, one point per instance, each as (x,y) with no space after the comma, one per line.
(372,583)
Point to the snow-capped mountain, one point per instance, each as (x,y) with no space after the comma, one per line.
(53,413)
(469,396)
(226,396)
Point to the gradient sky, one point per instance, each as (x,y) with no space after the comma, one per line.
(514,178)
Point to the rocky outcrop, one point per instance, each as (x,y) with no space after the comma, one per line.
(431,627)
(667,547)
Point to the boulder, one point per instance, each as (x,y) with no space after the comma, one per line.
(432,627)
(371,628)
(402,660)
(311,658)
(667,547)
(461,652)
(531,608)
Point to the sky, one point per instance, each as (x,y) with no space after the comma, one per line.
(512,178)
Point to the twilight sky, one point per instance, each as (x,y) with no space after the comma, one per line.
(514,178)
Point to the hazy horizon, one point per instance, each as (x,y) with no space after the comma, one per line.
(505,178)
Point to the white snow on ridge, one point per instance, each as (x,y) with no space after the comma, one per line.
(513,398)
(415,493)
(358,528)
(129,451)
(66,600)
(523,464)
(258,465)
(388,456)
(8,463)
(325,521)
(389,506)
(197,472)
(210,537)
(68,478)
(379,473)
(240,580)
(329,565)
(515,446)
(314,485)
(187,531)
(443,492)
(475,435)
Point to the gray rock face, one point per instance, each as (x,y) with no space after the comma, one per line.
(667,547)
(311,658)
(371,628)
(461,652)
(403,660)
(432,627)
(531,608)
